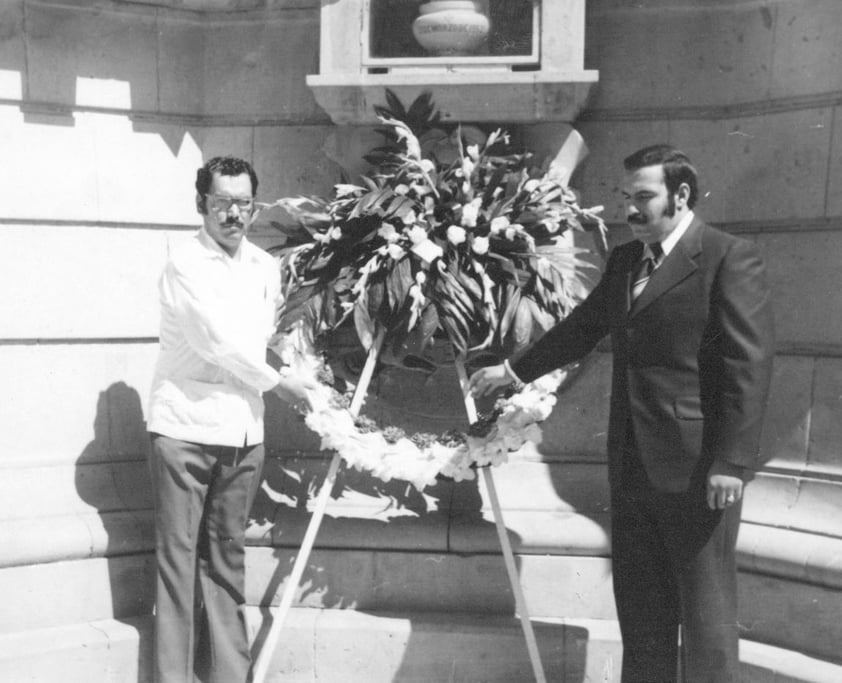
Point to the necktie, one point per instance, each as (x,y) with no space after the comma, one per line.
(652,256)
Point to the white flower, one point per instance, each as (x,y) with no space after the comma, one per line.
(417,234)
(470,213)
(513,230)
(420,278)
(396,251)
(473,152)
(427,166)
(401,189)
(495,136)
(467,167)
(343,189)
(499,224)
(410,218)
(387,232)
(480,245)
(456,235)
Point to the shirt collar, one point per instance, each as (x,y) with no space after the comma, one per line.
(210,244)
(671,240)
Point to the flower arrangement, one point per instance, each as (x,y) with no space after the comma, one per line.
(453,236)
(470,246)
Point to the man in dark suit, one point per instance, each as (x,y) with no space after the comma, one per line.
(688,311)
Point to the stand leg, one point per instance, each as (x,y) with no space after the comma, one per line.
(505,545)
(261,665)
(514,579)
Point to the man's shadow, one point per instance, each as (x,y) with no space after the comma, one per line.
(112,476)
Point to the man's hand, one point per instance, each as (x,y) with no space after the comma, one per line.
(486,380)
(294,392)
(725,485)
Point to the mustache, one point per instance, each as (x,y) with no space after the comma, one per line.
(636,219)
(232,223)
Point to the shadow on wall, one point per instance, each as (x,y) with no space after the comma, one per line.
(112,476)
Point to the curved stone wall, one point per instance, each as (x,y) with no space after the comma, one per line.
(107,108)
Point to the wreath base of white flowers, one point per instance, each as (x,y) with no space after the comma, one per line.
(455,456)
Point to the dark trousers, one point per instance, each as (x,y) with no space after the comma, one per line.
(202,499)
(674,564)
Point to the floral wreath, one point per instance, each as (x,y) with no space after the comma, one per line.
(451,236)
(388,453)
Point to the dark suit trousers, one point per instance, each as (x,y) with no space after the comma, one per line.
(202,499)
(674,564)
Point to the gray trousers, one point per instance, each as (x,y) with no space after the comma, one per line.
(202,496)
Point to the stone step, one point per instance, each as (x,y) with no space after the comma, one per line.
(348,646)
(797,615)
(104,651)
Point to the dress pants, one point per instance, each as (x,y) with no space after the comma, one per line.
(202,495)
(674,564)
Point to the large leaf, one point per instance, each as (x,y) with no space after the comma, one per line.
(363,323)
(508,316)
(395,105)
(541,317)
(398,282)
(522,325)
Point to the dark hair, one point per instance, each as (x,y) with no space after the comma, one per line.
(677,167)
(228,165)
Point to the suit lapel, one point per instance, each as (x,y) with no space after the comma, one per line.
(677,266)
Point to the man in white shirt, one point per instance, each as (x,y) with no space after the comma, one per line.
(219,294)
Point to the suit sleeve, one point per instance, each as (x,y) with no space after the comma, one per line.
(738,357)
(572,338)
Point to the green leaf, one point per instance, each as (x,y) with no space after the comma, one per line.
(522,325)
(428,324)
(375,294)
(543,319)
(470,284)
(398,283)
(421,108)
(509,314)
(395,105)
(363,323)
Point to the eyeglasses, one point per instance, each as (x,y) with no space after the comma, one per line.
(222,203)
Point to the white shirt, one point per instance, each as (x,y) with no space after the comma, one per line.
(217,315)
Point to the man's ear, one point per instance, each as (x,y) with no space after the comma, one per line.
(202,204)
(683,194)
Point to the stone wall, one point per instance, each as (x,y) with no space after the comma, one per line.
(106,110)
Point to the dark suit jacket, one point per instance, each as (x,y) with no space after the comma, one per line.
(692,356)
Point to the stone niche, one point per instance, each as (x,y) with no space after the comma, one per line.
(530,68)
